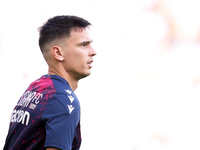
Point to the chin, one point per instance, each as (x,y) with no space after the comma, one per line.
(84,75)
(87,74)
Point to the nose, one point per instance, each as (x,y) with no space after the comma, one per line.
(93,52)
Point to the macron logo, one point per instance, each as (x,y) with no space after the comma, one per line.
(68,91)
(71,98)
(71,108)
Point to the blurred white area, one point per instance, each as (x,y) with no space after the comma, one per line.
(143,93)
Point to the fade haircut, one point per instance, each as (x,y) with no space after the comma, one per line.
(59,27)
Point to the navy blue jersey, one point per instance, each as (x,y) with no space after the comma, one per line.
(46,115)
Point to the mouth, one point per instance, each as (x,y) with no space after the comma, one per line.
(90,63)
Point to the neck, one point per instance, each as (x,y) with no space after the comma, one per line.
(72,82)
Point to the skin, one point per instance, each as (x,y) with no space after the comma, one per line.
(71,57)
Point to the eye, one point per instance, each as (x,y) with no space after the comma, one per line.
(84,45)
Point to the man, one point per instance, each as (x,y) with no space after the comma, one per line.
(47,116)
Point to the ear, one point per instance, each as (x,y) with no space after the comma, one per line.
(57,53)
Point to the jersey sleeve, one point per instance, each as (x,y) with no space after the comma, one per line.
(60,125)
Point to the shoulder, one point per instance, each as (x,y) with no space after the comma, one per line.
(44,83)
(65,95)
(68,100)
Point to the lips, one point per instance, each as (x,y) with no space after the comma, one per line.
(90,63)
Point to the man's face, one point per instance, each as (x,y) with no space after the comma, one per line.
(78,54)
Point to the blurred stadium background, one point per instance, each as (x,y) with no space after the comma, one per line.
(143,93)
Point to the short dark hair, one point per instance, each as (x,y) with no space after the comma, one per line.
(60,27)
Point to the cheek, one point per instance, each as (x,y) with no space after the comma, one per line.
(76,58)
(80,57)
(76,61)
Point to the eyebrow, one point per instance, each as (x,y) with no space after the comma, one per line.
(86,42)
